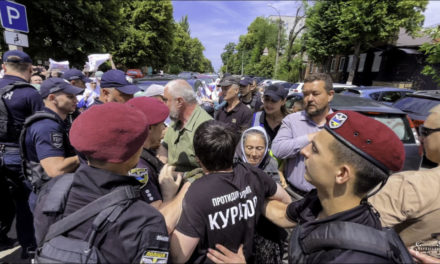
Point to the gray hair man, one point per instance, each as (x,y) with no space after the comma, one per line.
(177,146)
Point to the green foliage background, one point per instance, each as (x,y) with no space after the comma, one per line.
(137,33)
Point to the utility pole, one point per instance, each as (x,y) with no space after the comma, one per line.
(242,52)
(278,45)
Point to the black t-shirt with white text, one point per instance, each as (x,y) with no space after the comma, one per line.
(224,208)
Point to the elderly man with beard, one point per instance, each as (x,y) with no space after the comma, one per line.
(298,129)
(177,146)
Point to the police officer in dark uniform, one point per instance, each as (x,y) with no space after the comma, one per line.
(149,166)
(162,196)
(111,137)
(47,149)
(17,104)
(115,87)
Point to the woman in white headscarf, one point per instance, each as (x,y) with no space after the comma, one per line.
(253,149)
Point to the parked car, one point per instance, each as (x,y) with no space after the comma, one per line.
(340,87)
(387,95)
(418,104)
(134,73)
(394,118)
(296,88)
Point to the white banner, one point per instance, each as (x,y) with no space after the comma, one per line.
(58,65)
(97,59)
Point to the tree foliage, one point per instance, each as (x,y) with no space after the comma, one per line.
(72,29)
(432,51)
(187,53)
(147,33)
(341,27)
(138,33)
(262,33)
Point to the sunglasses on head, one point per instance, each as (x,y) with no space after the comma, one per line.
(424,131)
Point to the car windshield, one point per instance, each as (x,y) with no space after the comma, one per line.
(399,124)
(351,92)
(419,106)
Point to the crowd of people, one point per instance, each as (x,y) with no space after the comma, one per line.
(92,173)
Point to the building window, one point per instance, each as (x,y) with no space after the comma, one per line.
(341,64)
(362,62)
(350,63)
(333,65)
(377,60)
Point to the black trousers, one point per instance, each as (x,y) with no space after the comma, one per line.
(14,195)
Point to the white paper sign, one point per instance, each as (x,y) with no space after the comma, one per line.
(95,60)
(58,65)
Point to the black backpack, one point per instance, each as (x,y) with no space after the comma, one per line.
(57,248)
(384,243)
(33,171)
(9,130)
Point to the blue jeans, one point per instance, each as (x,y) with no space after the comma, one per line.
(14,193)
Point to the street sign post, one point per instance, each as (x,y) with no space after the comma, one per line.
(13,16)
(15,38)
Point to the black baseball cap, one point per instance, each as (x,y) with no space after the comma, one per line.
(54,85)
(275,92)
(75,74)
(245,81)
(16,56)
(230,80)
(117,79)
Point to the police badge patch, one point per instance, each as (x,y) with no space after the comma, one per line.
(56,139)
(153,256)
(337,120)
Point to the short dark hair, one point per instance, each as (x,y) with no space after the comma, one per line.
(17,66)
(368,175)
(327,79)
(214,145)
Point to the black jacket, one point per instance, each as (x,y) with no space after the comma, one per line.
(305,213)
(138,230)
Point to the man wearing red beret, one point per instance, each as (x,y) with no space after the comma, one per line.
(111,137)
(161,197)
(335,223)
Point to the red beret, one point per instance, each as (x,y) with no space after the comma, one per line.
(111,132)
(368,137)
(153,109)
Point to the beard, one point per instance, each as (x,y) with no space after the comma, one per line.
(174,114)
(316,111)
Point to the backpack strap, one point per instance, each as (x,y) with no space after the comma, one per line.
(352,236)
(99,205)
(56,198)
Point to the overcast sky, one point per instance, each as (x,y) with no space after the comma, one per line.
(215,23)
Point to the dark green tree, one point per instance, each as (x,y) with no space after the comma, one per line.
(341,27)
(147,34)
(186,53)
(72,29)
(185,24)
(432,51)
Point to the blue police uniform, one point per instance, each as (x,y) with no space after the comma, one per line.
(14,189)
(147,172)
(47,138)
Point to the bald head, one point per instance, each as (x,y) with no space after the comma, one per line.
(181,88)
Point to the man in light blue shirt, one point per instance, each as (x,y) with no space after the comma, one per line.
(298,129)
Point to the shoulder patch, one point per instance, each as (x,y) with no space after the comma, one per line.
(56,139)
(141,174)
(154,256)
(337,120)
